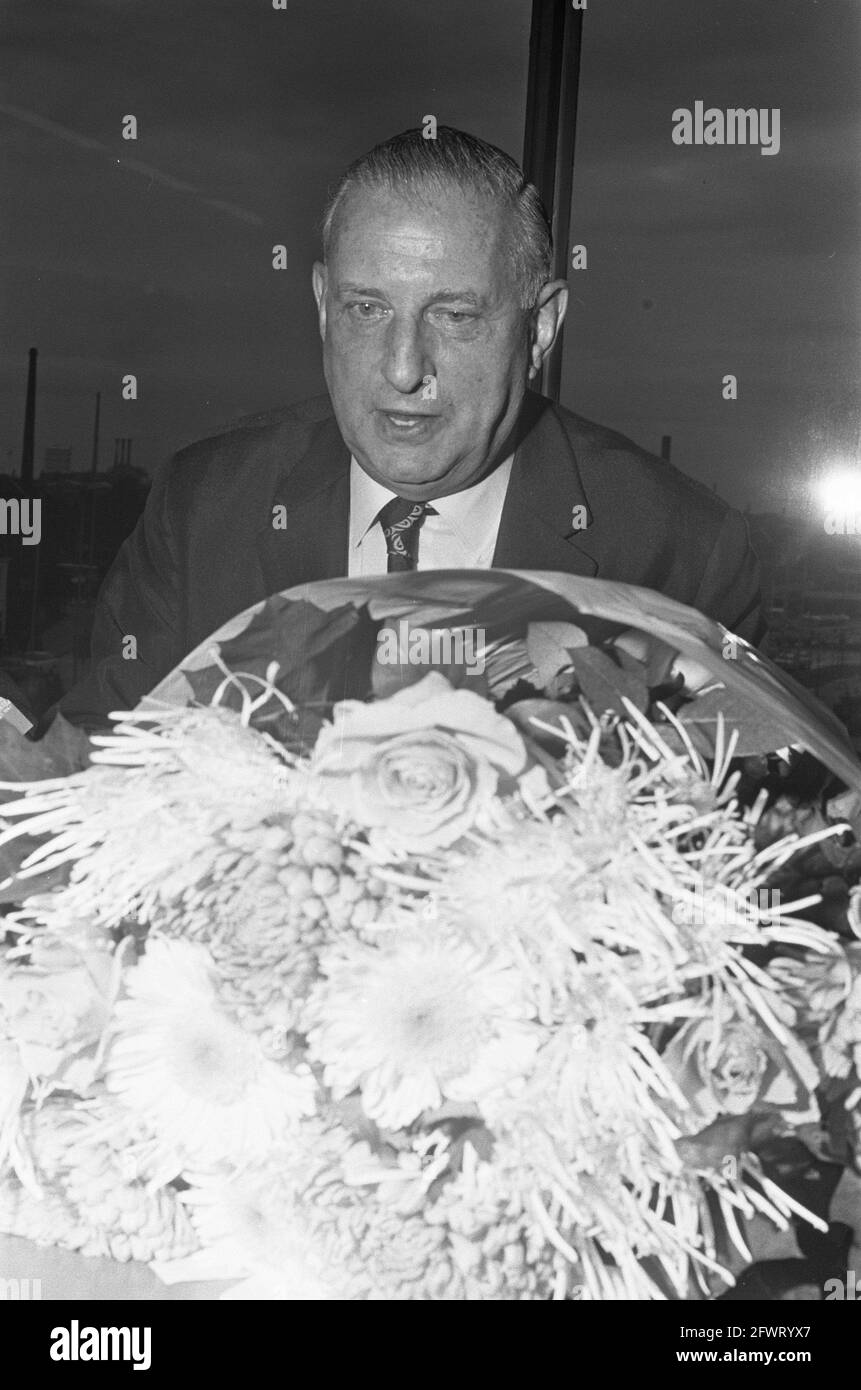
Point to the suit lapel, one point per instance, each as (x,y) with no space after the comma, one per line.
(539,526)
(315,496)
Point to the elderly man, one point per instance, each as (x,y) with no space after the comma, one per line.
(436,310)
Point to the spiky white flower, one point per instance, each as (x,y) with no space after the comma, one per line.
(140,825)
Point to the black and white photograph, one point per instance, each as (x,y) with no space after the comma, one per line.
(430,664)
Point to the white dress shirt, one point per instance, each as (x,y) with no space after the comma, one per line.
(461,536)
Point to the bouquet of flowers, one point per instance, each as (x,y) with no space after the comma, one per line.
(349,967)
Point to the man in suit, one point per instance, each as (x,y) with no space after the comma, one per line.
(436,311)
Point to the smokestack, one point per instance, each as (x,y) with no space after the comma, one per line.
(93,471)
(27,448)
(94,467)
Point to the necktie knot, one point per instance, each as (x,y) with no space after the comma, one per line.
(401,521)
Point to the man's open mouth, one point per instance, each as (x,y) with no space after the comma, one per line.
(407,422)
(408,417)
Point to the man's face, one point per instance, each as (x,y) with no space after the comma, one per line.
(426,348)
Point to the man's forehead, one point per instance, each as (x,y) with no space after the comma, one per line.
(403,242)
(421,228)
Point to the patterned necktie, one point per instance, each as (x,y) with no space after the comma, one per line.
(401,521)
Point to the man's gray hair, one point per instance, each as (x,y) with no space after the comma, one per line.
(410,163)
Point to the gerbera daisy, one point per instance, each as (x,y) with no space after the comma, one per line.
(187,1070)
(249,1225)
(422,1017)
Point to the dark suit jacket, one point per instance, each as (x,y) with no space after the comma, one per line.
(205,547)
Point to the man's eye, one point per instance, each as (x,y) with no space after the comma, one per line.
(456,317)
(364,309)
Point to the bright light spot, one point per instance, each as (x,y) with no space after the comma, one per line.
(840,491)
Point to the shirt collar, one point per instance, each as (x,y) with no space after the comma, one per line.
(367,496)
(465,512)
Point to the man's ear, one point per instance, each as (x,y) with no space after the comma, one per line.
(318,283)
(547,317)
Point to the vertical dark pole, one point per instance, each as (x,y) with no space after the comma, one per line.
(34,602)
(30,570)
(549,137)
(94,465)
(27,448)
(666,446)
(94,468)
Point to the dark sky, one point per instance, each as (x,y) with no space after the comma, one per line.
(154,256)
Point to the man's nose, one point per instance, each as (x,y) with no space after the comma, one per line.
(406,362)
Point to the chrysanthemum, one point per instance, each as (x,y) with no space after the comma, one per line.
(541,895)
(229,763)
(141,825)
(598,1094)
(181,1064)
(422,1017)
(532,874)
(519,1229)
(14,1084)
(86,1183)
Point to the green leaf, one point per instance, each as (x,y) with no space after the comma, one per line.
(550,645)
(761,729)
(63,750)
(847,807)
(322,657)
(390,676)
(17,889)
(552,712)
(604,684)
(20,759)
(67,746)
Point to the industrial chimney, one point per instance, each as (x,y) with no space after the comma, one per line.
(27,447)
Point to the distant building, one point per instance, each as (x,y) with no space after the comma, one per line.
(812,591)
(4,592)
(57,461)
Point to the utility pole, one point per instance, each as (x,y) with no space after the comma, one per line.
(94,468)
(30,569)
